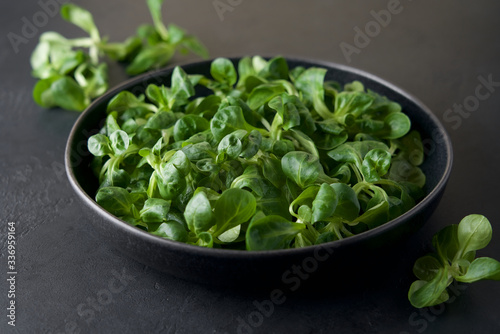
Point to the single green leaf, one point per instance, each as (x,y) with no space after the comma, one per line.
(80,17)
(427,267)
(348,205)
(232,145)
(324,204)
(181,87)
(271,232)
(474,233)
(194,45)
(275,69)
(251,144)
(181,162)
(301,167)
(67,94)
(234,207)
(483,268)
(410,148)
(227,120)
(264,93)
(188,126)
(119,141)
(198,213)
(155,10)
(172,230)
(155,210)
(151,57)
(353,103)
(222,70)
(397,125)
(171,182)
(99,145)
(115,200)
(375,164)
(161,120)
(446,243)
(310,83)
(424,294)
(230,235)
(271,169)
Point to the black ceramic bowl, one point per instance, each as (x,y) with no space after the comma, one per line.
(233,267)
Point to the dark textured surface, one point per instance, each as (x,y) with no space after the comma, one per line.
(435,50)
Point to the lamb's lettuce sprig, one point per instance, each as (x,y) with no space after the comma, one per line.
(72,72)
(454,259)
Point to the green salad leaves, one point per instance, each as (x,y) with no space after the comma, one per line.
(273,158)
(70,77)
(454,259)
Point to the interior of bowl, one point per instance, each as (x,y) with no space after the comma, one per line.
(437,146)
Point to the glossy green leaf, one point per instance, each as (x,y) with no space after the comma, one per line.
(301,167)
(474,233)
(375,164)
(161,120)
(352,103)
(403,171)
(155,10)
(171,182)
(62,92)
(230,235)
(446,243)
(181,87)
(310,83)
(188,126)
(271,232)
(232,144)
(222,70)
(348,205)
(483,268)
(172,230)
(275,69)
(227,120)
(324,203)
(115,200)
(119,141)
(424,294)
(150,58)
(80,17)
(198,213)
(155,210)
(397,125)
(234,207)
(99,145)
(427,267)
(264,93)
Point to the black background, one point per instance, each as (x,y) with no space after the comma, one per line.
(435,50)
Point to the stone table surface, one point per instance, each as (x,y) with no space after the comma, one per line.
(67,280)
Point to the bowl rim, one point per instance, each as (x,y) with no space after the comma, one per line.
(232,253)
